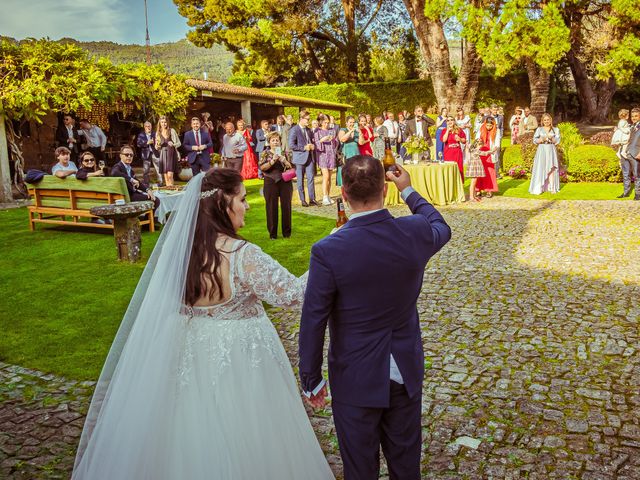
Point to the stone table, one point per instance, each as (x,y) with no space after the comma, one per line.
(126,226)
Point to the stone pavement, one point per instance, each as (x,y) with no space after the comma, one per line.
(530,325)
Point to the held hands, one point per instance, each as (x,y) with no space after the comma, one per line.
(319,400)
(400,177)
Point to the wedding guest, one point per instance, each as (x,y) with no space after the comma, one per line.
(282,127)
(249,160)
(348,137)
(483,112)
(529,121)
(621,134)
(419,125)
(453,139)
(233,147)
(95,139)
(314,125)
(197,144)
(500,126)
(301,143)
(369,120)
(515,125)
(88,167)
(631,162)
(490,138)
(393,130)
(68,136)
(402,135)
(441,125)
(273,161)
(138,191)
(475,168)
(333,125)
(545,174)
(207,124)
(146,143)
(167,144)
(365,137)
(464,122)
(379,134)
(326,148)
(65,167)
(260,137)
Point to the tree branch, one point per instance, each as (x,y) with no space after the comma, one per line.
(371,18)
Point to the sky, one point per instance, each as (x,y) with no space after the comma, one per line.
(120,21)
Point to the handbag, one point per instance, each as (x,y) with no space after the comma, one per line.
(289,174)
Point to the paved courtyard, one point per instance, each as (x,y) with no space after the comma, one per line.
(530,325)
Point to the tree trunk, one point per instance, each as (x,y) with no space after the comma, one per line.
(351,43)
(5,175)
(318,72)
(435,51)
(595,103)
(539,84)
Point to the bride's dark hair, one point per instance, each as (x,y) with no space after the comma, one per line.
(219,185)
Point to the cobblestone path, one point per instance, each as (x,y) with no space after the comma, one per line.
(530,325)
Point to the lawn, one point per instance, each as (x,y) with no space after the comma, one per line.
(65,292)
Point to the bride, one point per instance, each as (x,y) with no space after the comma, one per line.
(197,384)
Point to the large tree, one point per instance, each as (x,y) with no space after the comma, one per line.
(275,39)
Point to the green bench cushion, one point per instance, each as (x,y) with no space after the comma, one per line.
(115,185)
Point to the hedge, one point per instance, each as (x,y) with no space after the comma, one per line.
(512,157)
(593,163)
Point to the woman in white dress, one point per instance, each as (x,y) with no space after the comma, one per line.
(545,174)
(197,384)
(464,122)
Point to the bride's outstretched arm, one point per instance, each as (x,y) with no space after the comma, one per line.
(269,280)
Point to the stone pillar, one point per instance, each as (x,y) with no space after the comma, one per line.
(128,238)
(5,174)
(245,112)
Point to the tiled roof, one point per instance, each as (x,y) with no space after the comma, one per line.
(258,94)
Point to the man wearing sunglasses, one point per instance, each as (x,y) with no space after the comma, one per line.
(138,191)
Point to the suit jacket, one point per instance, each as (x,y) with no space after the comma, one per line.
(62,136)
(146,150)
(260,140)
(633,147)
(119,170)
(366,288)
(189,142)
(426,123)
(284,135)
(297,141)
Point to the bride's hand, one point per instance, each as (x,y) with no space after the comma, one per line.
(319,400)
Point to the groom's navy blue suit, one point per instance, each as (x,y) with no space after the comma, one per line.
(364,281)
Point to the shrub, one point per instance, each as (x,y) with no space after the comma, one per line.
(593,163)
(512,157)
(570,138)
(518,172)
(527,149)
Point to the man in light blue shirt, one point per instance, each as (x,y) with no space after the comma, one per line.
(95,137)
(65,167)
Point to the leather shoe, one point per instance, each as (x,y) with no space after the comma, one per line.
(624,194)
(304,203)
(314,203)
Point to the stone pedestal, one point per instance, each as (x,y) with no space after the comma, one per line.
(126,226)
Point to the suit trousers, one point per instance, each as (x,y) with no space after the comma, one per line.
(273,192)
(200,165)
(146,169)
(397,428)
(235,163)
(629,166)
(308,169)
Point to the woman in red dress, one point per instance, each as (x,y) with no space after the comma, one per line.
(249,161)
(453,138)
(490,138)
(365,139)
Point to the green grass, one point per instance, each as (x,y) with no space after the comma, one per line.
(568,191)
(64,292)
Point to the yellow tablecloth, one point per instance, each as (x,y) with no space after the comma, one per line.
(439,183)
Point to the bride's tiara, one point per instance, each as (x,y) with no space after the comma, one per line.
(208,193)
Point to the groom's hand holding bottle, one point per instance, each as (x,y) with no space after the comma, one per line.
(400,177)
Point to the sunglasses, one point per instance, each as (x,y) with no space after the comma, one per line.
(128,155)
(90,159)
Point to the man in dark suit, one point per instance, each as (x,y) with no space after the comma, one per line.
(138,191)
(197,143)
(365,287)
(630,163)
(301,144)
(419,125)
(146,146)
(67,136)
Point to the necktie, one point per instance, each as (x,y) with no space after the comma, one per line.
(197,138)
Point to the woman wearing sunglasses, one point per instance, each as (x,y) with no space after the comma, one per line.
(88,167)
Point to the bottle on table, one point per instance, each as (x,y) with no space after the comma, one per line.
(389,160)
(342,217)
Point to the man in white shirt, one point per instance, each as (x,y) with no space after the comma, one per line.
(233,147)
(392,128)
(96,140)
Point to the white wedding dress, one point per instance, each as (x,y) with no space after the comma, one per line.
(207,393)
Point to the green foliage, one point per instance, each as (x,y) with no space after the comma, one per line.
(570,138)
(593,163)
(37,76)
(512,157)
(394,59)
(241,79)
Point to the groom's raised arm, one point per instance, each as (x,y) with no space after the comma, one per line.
(318,304)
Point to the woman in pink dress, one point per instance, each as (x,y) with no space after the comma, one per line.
(490,138)
(454,140)
(365,139)
(249,161)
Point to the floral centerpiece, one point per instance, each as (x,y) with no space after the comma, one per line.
(415,146)
(517,172)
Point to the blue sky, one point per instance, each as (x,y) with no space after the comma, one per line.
(120,21)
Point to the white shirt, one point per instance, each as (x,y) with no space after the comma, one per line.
(392,129)
(419,131)
(95,137)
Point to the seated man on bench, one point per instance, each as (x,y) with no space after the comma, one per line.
(138,191)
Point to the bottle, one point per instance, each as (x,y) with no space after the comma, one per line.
(342,217)
(389,160)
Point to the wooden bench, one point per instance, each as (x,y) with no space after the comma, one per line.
(66,201)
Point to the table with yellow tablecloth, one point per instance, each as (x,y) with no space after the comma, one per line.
(438,183)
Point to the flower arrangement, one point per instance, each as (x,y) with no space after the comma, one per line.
(416,144)
(517,172)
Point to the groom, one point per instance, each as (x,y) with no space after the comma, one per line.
(364,281)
